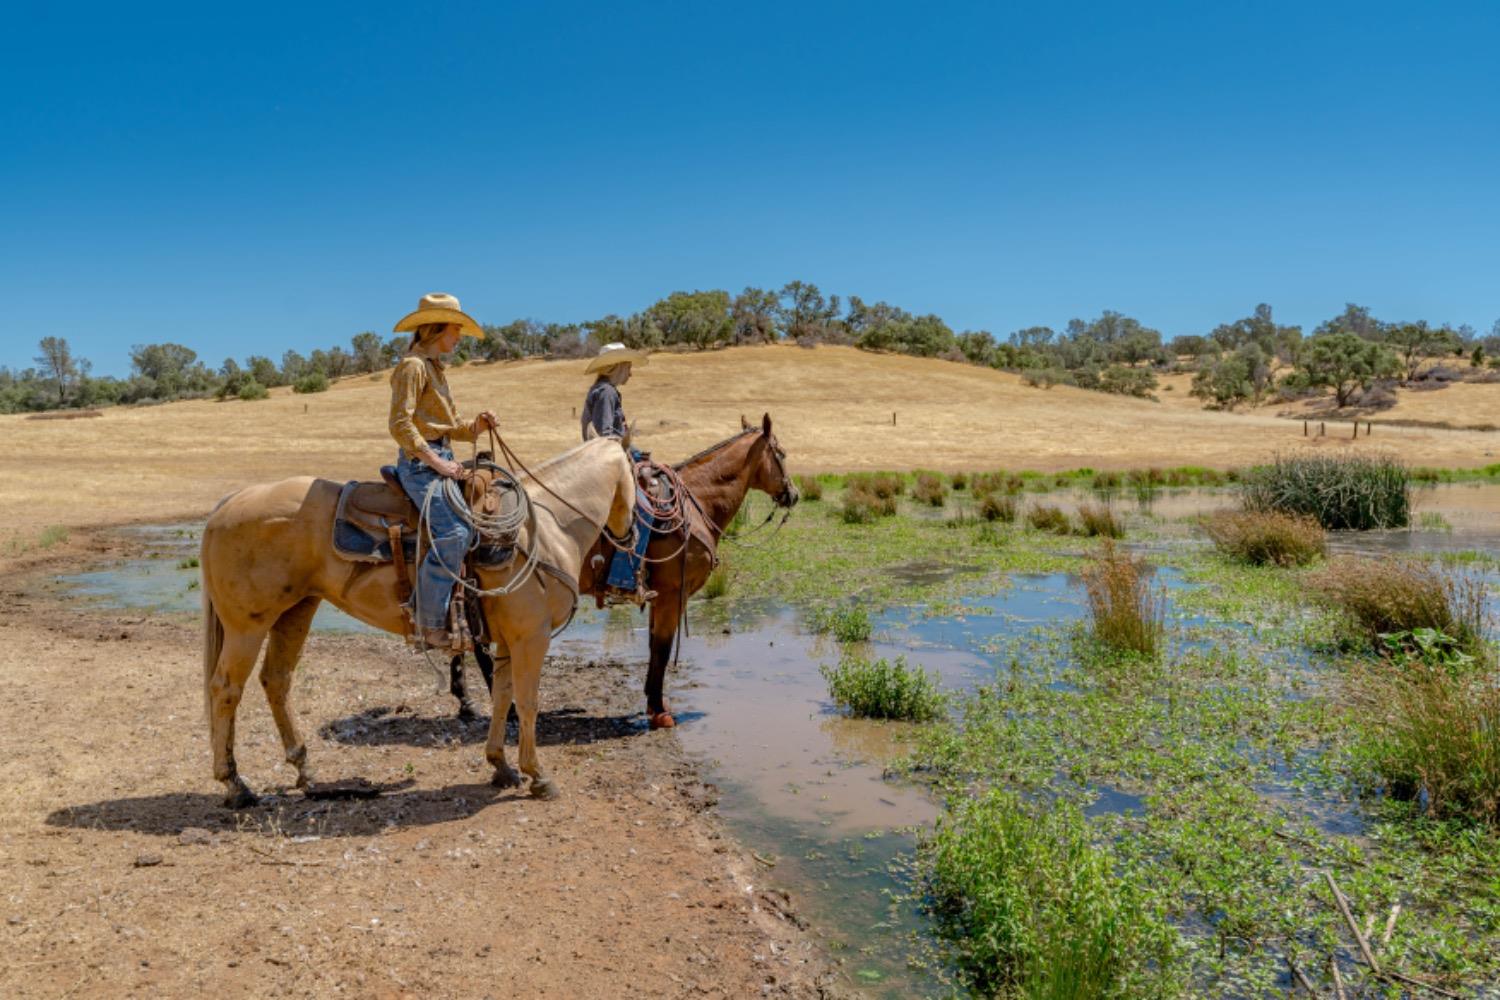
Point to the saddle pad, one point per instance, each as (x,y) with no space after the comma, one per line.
(354,543)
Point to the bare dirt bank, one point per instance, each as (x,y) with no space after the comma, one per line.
(124,876)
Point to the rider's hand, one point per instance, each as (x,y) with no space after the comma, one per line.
(485,420)
(445,467)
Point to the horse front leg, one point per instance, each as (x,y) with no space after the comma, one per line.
(502,693)
(665,613)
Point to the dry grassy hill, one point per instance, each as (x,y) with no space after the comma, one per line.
(832,408)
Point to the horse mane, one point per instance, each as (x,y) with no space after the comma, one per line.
(711,449)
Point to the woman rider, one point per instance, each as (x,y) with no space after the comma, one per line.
(604,413)
(424,422)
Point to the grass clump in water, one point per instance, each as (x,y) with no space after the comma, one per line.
(1126,615)
(1032,909)
(882,689)
(1358,492)
(863,505)
(1384,596)
(929,489)
(1096,520)
(810,488)
(845,624)
(1267,538)
(1431,725)
(998,507)
(1046,517)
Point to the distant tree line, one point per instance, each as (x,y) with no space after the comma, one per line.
(1237,362)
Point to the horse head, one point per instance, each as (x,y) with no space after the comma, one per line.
(769,474)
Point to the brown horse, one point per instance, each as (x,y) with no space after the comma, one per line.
(268,562)
(719,479)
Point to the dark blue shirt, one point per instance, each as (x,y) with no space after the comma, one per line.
(603,411)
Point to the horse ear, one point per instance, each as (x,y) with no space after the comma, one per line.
(765,424)
(744,424)
(589,433)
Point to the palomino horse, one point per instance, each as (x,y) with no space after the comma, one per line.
(718,477)
(268,562)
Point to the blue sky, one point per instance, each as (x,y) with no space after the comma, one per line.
(255,179)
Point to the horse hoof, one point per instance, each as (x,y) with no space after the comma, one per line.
(466,714)
(240,796)
(506,777)
(544,788)
(662,720)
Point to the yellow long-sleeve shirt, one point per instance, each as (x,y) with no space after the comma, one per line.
(422,409)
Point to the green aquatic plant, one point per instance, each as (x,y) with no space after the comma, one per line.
(846,624)
(1126,615)
(1358,492)
(1383,596)
(1030,908)
(883,689)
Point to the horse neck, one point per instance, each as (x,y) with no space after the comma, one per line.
(720,481)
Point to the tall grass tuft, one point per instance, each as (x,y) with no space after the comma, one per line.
(1097,520)
(1384,596)
(1266,538)
(1046,517)
(884,485)
(998,507)
(862,504)
(1126,615)
(929,489)
(1431,725)
(882,689)
(1358,492)
(810,488)
(1032,909)
(717,584)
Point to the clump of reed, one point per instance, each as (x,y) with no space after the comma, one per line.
(864,503)
(1099,521)
(1358,492)
(810,488)
(959,481)
(1389,596)
(884,485)
(1126,615)
(1046,517)
(929,489)
(1031,907)
(998,507)
(1266,538)
(884,689)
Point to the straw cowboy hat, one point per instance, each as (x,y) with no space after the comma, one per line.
(439,307)
(611,355)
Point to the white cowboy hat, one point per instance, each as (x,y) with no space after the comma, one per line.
(611,355)
(439,307)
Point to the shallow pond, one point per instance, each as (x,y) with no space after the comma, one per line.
(803,787)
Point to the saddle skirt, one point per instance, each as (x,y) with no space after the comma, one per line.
(368,510)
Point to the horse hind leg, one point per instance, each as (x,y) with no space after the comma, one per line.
(527,666)
(285,649)
(664,625)
(237,655)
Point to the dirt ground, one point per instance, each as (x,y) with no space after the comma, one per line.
(832,408)
(124,876)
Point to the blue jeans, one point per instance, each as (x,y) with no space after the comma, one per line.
(450,540)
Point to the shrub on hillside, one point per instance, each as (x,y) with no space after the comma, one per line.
(252,390)
(313,381)
(1266,538)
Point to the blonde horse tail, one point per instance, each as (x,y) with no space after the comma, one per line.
(213,641)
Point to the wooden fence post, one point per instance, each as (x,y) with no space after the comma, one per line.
(1322,428)
(1356,429)
(893,419)
(1304,428)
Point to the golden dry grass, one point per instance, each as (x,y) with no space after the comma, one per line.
(832,408)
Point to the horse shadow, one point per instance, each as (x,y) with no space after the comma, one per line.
(387,726)
(172,814)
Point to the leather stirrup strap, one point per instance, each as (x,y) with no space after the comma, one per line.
(398,556)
